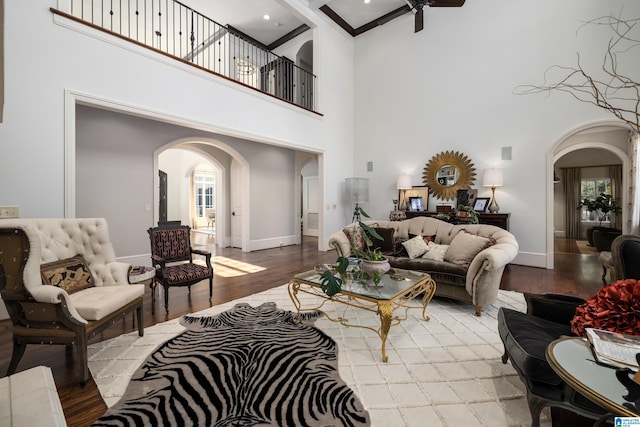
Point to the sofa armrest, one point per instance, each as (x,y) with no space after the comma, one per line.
(54,295)
(340,242)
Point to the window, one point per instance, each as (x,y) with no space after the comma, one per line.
(590,189)
(204,183)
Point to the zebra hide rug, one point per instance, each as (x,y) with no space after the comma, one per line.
(248,366)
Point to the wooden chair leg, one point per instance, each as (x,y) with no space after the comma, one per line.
(166,299)
(210,288)
(16,355)
(81,351)
(140,325)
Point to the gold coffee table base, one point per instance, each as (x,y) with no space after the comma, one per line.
(308,283)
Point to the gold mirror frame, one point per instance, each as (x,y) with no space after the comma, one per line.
(466,174)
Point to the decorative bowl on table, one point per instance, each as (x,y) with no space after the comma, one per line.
(321,268)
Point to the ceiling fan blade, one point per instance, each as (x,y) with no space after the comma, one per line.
(446,3)
(419,23)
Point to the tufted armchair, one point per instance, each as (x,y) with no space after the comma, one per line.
(172,255)
(42,264)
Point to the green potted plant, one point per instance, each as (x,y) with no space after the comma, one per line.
(601,206)
(372,262)
(468,214)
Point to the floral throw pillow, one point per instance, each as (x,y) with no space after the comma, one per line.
(355,236)
(615,308)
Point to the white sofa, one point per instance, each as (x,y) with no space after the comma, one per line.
(47,314)
(476,282)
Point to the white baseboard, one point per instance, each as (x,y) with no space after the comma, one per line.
(531,259)
(276,242)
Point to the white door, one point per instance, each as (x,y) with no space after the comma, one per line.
(235,187)
(310,208)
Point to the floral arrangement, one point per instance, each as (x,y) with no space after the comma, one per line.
(615,308)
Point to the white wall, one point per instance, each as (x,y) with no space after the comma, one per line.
(451,87)
(55,58)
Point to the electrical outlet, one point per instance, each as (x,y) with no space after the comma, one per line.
(9,211)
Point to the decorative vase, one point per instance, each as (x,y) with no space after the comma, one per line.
(371,267)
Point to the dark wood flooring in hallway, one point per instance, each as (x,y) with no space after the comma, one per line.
(239,274)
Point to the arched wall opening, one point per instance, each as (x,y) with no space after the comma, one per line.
(589,136)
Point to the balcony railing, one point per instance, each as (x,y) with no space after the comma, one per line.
(179,31)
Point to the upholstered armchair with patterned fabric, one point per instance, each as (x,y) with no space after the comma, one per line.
(61,284)
(172,256)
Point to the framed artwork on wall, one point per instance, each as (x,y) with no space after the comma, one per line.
(417,191)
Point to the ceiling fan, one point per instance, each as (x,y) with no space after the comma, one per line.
(417,7)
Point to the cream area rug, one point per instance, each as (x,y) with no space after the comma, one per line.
(442,372)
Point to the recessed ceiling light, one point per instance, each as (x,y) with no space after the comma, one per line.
(367,1)
(266,17)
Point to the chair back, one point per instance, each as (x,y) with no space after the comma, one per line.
(171,242)
(625,251)
(14,252)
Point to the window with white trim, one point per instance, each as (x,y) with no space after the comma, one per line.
(590,189)
(204,187)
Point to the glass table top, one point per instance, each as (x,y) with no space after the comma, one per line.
(395,281)
(574,357)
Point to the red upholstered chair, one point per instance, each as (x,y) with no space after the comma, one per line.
(172,256)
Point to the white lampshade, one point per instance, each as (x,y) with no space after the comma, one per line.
(492,178)
(404,182)
(357,190)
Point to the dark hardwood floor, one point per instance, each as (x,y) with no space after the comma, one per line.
(239,274)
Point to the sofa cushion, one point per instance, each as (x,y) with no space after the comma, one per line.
(71,274)
(428,265)
(526,338)
(415,247)
(98,302)
(388,243)
(435,252)
(465,246)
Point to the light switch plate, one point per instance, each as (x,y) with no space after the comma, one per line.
(9,211)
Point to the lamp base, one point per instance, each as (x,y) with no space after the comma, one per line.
(493,207)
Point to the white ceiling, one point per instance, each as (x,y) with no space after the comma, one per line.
(247,16)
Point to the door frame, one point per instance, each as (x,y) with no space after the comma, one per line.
(222,234)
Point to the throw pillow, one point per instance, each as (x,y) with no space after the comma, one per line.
(71,274)
(465,246)
(415,247)
(388,244)
(355,236)
(426,239)
(615,308)
(435,252)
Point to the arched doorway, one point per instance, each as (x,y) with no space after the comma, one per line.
(231,172)
(579,147)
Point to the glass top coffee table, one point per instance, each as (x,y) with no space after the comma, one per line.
(397,288)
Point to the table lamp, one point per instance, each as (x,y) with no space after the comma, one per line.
(403,183)
(493,178)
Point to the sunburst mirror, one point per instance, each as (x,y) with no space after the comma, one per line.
(448,172)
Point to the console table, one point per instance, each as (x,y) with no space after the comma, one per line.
(498,219)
